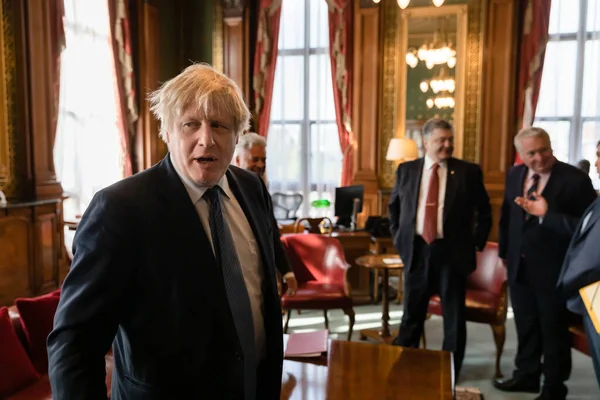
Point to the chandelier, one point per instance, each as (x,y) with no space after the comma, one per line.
(404,3)
(443,82)
(439,51)
(444,100)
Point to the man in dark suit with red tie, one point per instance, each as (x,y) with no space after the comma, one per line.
(533,246)
(440,215)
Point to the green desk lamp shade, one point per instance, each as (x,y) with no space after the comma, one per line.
(322,203)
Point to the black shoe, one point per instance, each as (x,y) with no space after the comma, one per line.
(517,385)
(553,393)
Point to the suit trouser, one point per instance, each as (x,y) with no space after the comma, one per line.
(428,275)
(542,323)
(594,341)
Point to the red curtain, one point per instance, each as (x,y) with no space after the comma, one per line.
(125,101)
(531,62)
(341,33)
(265,60)
(57,44)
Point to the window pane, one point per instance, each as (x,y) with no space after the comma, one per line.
(564,16)
(593,16)
(559,132)
(590,101)
(319,24)
(291,24)
(284,158)
(288,90)
(557,90)
(325,156)
(321,106)
(589,141)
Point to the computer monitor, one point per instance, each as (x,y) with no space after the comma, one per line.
(344,203)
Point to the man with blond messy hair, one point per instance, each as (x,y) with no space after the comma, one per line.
(174,267)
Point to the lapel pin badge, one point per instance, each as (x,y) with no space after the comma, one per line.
(452,172)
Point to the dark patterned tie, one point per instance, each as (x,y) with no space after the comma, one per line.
(532,189)
(235,286)
(430,222)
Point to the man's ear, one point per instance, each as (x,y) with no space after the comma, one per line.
(236,160)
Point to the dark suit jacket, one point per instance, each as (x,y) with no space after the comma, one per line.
(467,212)
(282,261)
(144,275)
(582,262)
(568,192)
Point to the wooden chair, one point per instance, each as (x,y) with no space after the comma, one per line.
(315,225)
(320,267)
(486,298)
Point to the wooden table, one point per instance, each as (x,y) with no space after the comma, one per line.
(369,371)
(376,261)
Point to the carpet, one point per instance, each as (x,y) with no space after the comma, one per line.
(468,393)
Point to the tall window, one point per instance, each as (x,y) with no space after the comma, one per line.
(87,151)
(304,154)
(569,102)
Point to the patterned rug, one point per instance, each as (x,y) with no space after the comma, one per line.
(468,393)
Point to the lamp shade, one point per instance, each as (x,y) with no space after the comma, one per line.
(402,149)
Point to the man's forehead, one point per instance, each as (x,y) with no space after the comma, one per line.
(192,112)
(440,132)
(257,150)
(535,142)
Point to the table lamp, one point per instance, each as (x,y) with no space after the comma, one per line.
(402,149)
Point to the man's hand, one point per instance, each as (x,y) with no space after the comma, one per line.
(537,207)
(292,283)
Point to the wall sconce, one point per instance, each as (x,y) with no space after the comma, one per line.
(402,149)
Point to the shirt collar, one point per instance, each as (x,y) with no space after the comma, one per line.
(429,163)
(196,192)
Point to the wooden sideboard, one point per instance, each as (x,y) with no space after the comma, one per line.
(32,256)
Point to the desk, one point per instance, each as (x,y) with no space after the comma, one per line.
(358,371)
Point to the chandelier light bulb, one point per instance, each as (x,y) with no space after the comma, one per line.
(429,103)
(424,86)
(452,62)
(411,59)
(438,3)
(376,1)
(404,3)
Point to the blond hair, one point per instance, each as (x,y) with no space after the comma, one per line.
(531,131)
(202,87)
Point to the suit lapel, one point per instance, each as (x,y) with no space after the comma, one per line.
(451,186)
(580,233)
(414,183)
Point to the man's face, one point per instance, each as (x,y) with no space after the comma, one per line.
(536,153)
(202,145)
(253,159)
(598,159)
(440,144)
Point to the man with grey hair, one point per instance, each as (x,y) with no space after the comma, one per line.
(440,214)
(174,267)
(251,154)
(533,245)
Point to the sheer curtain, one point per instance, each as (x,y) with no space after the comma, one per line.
(87,153)
(303,149)
(569,102)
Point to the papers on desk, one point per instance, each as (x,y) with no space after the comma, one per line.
(591,298)
(392,260)
(307,344)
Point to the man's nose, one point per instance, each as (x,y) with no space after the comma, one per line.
(205,136)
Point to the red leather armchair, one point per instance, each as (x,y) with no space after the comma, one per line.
(486,297)
(320,268)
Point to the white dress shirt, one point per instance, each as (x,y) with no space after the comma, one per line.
(246,247)
(424,188)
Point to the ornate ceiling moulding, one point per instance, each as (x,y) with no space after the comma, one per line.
(233,10)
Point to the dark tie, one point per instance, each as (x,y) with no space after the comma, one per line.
(235,286)
(534,186)
(431,206)
(532,189)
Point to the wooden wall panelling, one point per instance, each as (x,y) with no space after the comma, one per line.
(16,248)
(46,257)
(41,99)
(236,63)
(149,147)
(499,96)
(366,95)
